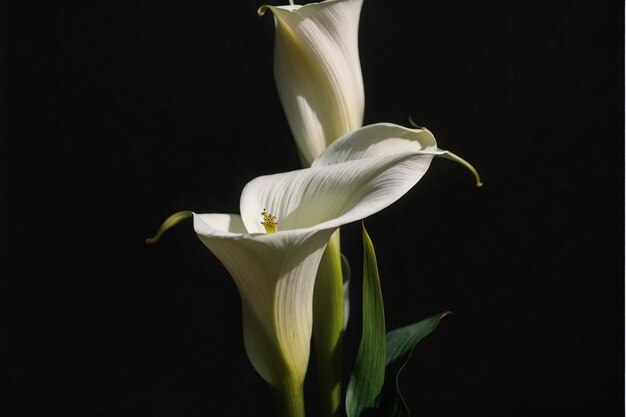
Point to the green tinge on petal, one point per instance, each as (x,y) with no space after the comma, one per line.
(261,11)
(275,276)
(170,222)
(454,157)
(289,399)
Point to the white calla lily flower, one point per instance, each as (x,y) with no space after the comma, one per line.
(318,72)
(275,272)
(359,175)
(273,248)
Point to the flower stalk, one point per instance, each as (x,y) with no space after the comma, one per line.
(328,323)
(289,398)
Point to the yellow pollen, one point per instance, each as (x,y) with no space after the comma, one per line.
(269,222)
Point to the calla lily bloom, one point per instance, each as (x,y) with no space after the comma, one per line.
(388,140)
(318,71)
(273,248)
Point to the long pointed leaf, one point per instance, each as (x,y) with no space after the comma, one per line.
(400,345)
(368,375)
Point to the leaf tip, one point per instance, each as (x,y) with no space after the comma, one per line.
(445,314)
(366,237)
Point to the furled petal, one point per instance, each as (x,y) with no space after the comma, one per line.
(332,195)
(275,272)
(275,275)
(376,140)
(318,71)
(386,139)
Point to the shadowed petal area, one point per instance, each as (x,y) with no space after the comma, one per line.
(376,140)
(218,224)
(386,139)
(318,71)
(275,275)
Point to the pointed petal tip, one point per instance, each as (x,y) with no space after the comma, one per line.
(170,222)
(412,123)
(454,157)
(261,10)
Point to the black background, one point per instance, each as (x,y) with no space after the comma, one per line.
(116,115)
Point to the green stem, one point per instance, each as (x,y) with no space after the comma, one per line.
(289,399)
(328,305)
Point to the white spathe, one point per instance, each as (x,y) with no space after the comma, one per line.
(318,71)
(361,174)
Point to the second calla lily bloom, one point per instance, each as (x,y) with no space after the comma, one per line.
(318,71)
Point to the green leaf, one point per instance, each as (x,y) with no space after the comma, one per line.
(368,374)
(400,345)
